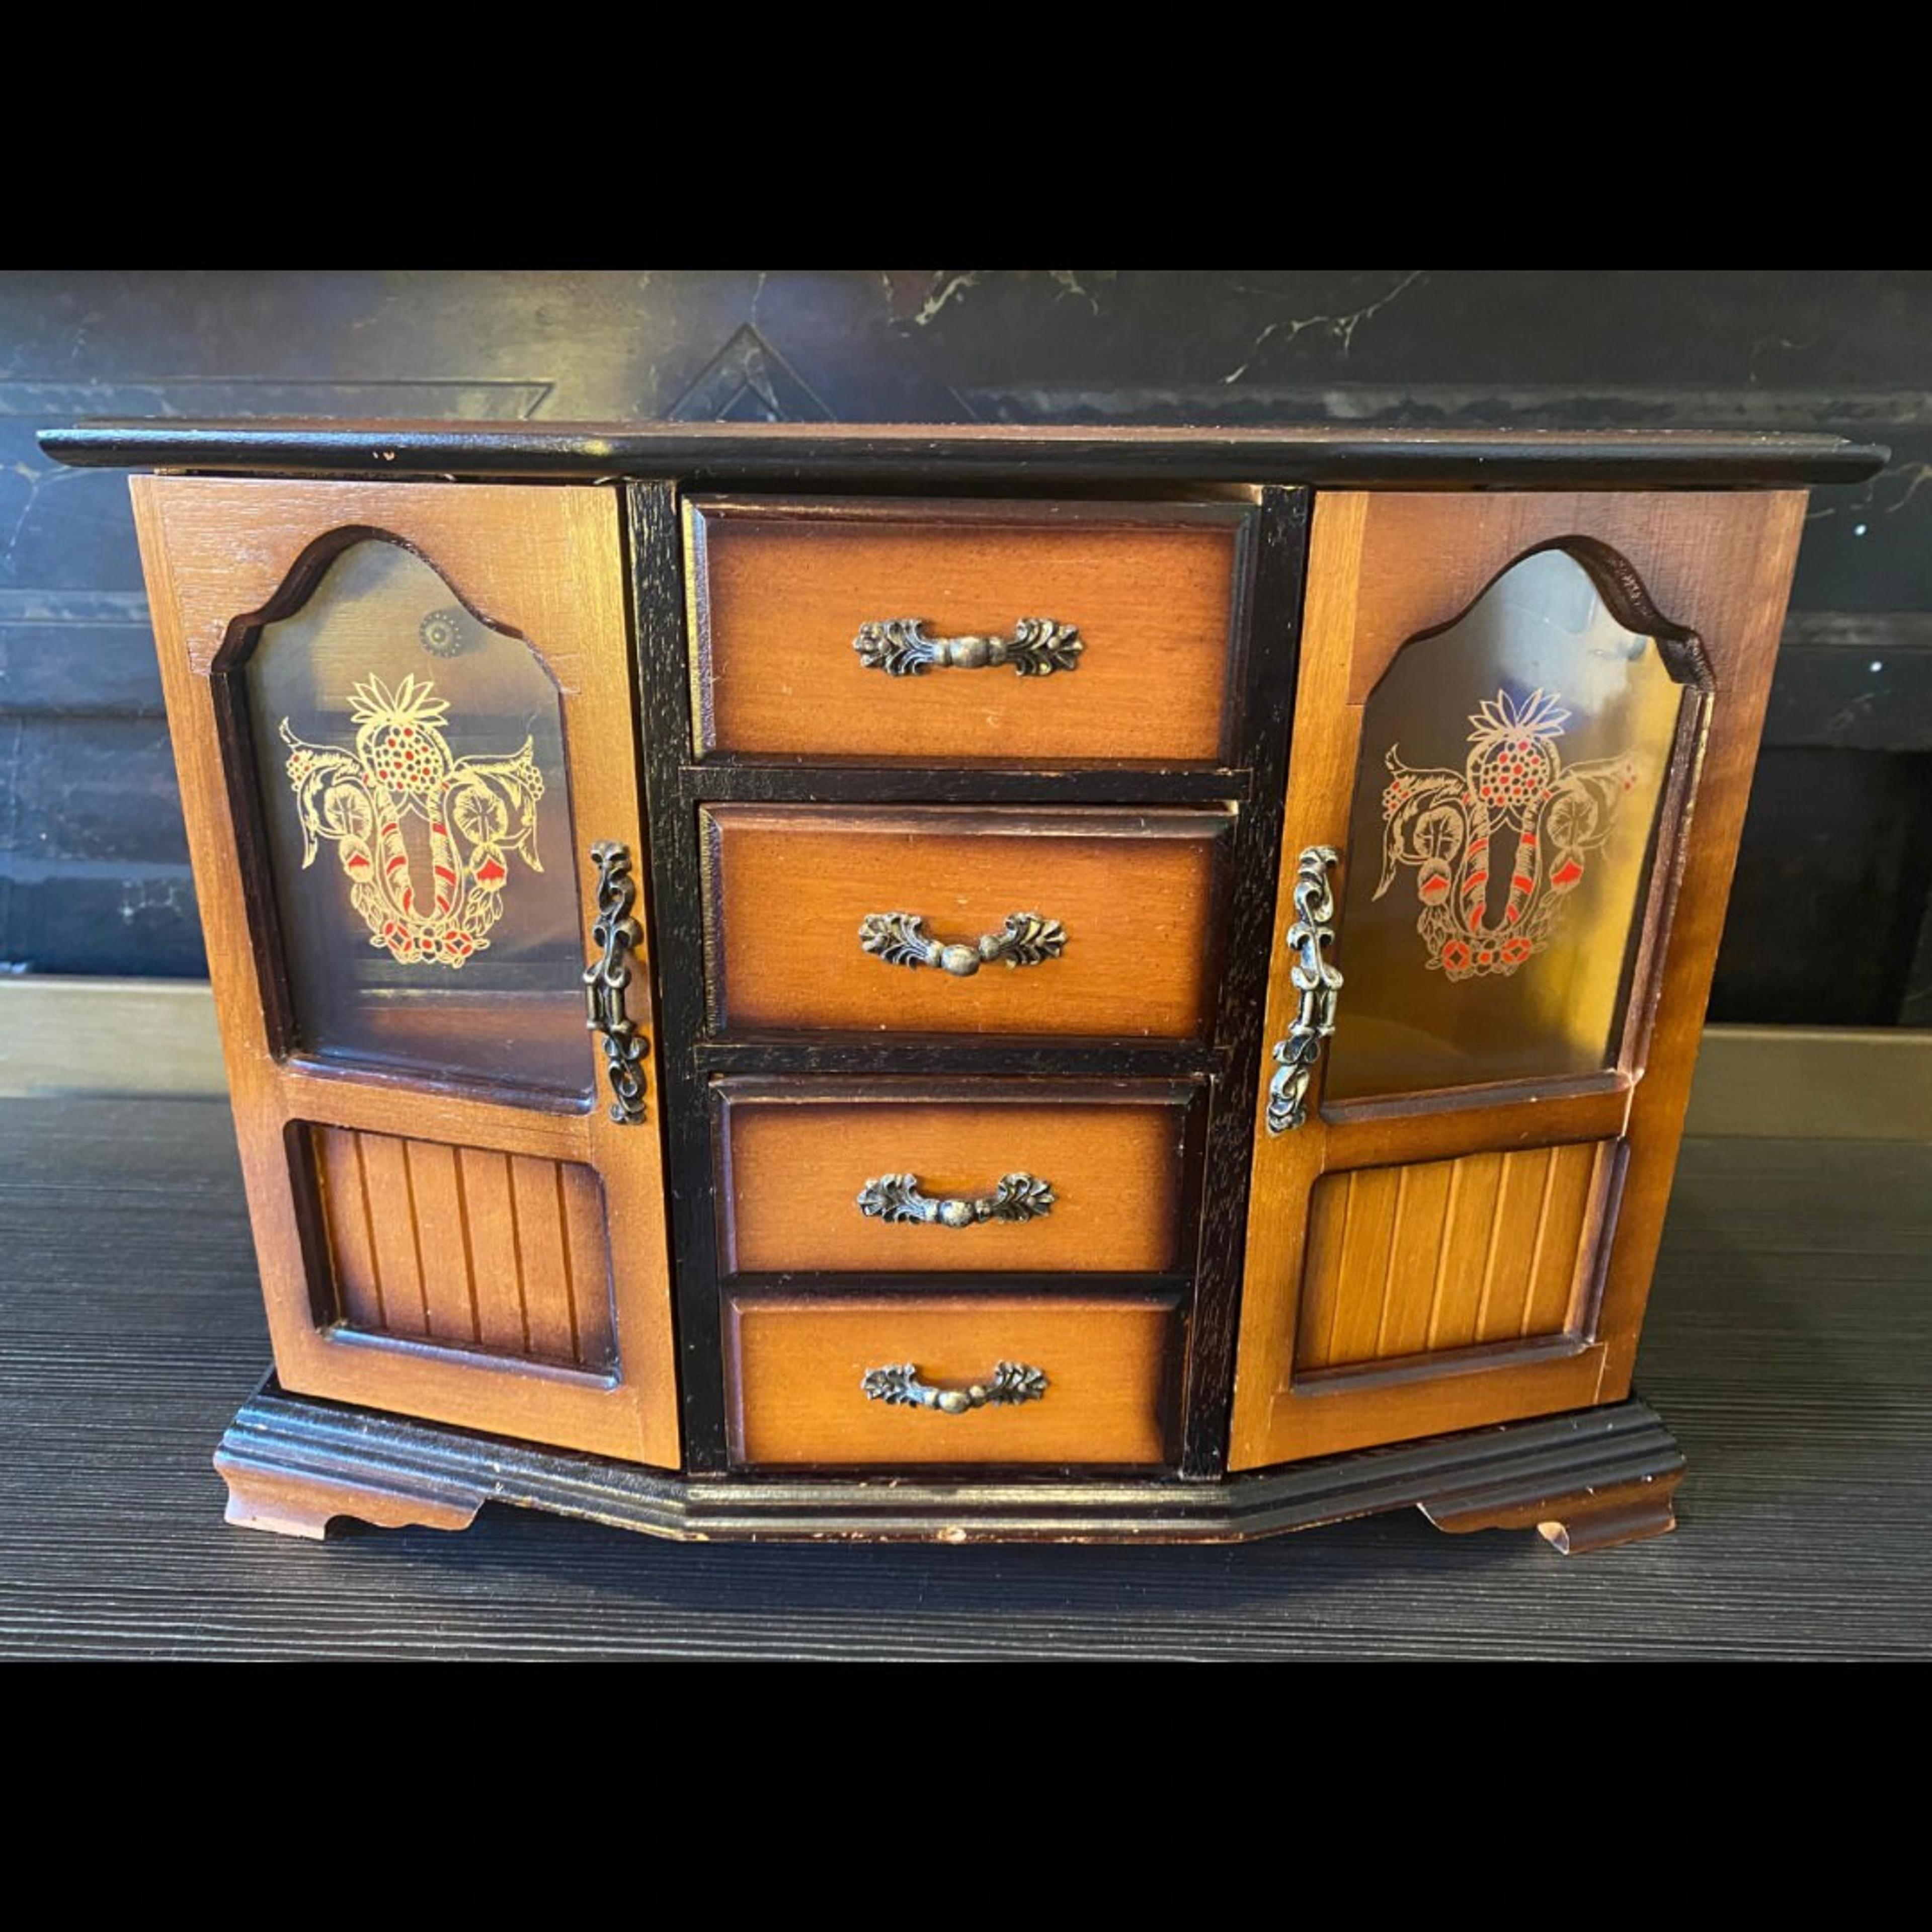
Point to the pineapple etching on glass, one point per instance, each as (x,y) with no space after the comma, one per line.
(477,811)
(1445,824)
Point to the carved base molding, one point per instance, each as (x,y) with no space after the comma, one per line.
(1587,1479)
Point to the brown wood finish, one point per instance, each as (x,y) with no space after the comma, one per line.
(546,564)
(795,1367)
(1447,1254)
(468,1247)
(288,1502)
(779,591)
(1136,892)
(308,1462)
(1579,1523)
(795,1154)
(1383,568)
(923,456)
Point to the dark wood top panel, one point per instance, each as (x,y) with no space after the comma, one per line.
(914,455)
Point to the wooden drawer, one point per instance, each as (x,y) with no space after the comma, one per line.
(782,593)
(795,892)
(812,1176)
(798,1372)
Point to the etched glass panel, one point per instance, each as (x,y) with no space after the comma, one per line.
(410,764)
(1505,813)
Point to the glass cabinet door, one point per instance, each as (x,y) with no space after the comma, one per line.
(404,725)
(414,793)
(1483,1007)
(1506,812)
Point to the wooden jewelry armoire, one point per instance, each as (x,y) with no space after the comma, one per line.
(960,983)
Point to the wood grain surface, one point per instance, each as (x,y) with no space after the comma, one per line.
(779,591)
(796,1154)
(546,565)
(795,1367)
(1788,1346)
(979,453)
(1134,890)
(1383,568)
(1445,1254)
(467,1246)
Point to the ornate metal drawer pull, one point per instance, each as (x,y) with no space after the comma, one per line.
(899,646)
(900,1386)
(895,1197)
(901,939)
(1316,980)
(605,980)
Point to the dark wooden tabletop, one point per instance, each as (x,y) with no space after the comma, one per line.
(1789,1345)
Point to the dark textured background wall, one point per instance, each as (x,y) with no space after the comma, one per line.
(1830,922)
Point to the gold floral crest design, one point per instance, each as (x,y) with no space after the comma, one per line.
(1443,823)
(478,810)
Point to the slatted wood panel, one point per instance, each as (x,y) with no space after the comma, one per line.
(1448,1254)
(477,1249)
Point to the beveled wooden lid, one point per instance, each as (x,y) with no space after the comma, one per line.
(929,456)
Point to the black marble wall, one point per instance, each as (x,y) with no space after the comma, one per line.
(1830,923)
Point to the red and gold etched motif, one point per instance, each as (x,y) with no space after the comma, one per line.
(477,811)
(1445,824)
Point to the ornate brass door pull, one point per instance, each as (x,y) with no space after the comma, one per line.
(901,939)
(899,646)
(900,1386)
(1316,980)
(895,1197)
(605,980)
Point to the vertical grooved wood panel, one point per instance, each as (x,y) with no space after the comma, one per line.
(345,1201)
(541,1258)
(1367,1234)
(1576,1185)
(1513,1245)
(1468,1249)
(391,1218)
(1408,1260)
(1416,1257)
(587,1263)
(491,1217)
(443,1242)
(506,1253)
(1316,1321)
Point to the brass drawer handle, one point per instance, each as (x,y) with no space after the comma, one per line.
(901,939)
(895,1197)
(1316,980)
(900,1386)
(605,980)
(899,646)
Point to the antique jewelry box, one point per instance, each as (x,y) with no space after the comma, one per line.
(960,983)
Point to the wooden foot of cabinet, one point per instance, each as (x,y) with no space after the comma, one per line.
(1589,1478)
(1597,1518)
(296,1501)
